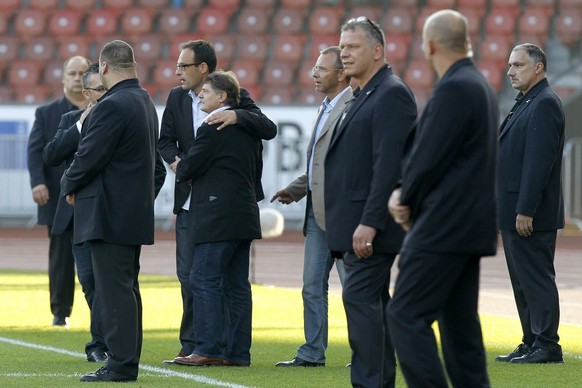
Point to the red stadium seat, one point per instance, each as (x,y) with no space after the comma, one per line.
(262,3)
(43,4)
(309,97)
(30,22)
(534,21)
(505,3)
(52,73)
(254,47)
(255,91)
(120,4)
(6,95)
(8,49)
(419,74)
(449,4)
(325,20)
(84,5)
(564,91)
(405,3)
(137,21)
(164,74)
(501,20)
(4,17)
(194,3)
(176,42)
(212,21)
(320,42)
(305,75)
(278,73)
(225,47)
(495,47)
(65,22)
(494,72)
(232,5)
(289,21)
(289,47)
(73,45)
(416,52)
(175,21)
(277,96)
(40,48)
(155,4)
(568,3)
(399,20)
(538,40)
(144,69)
(423,14)
(253,20)
(397,47)
(301,4)
(482,4)
(569,26)
(147,47)
(372,12)
(101,22)
(9,5)
(474,19)
(24,73)
(247,72)
(34,94)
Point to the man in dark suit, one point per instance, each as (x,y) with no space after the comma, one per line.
(45,181)
(362,168)
(224,219)
(112,182)
(61,149)
(531,141)
(330,80)
(182,117)
(447,204)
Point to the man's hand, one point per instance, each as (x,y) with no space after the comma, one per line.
(85,113)
(174,166)
(71,199)
(524,225)
(283,196)
(40,194)
(226,117)
(362,241)
(399,212)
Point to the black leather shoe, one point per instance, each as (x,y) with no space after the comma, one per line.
(299,362)
(60,321)
(97,355)
(104,374)
(539,356)
(521,350)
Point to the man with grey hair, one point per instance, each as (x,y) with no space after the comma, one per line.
(447,203)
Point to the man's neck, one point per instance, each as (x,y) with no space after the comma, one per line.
(77,99)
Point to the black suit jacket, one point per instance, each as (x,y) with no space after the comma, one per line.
(62,149)
(223,167)
(363,162)
(449,172)
(530,160)
(117,171)
(43,130)
(177,133)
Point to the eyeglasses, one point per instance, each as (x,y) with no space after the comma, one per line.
(375,28)
(320,69)
(98,90)
(183,66)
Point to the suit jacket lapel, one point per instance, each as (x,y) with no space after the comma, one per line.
(187,108)
(509,121)
(312,139)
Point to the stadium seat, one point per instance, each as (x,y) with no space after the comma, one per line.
(301,4)
(147,47)
(289,21)
(247,72)
(255,91)
(175,21)
(34,94)
(164,74)
(4,18)
(416,52)
(495,47)
(101,22)
(320,42)
(397,47)
(65,22)
(6,95)
(155,4)
(305,75)
(534,21)
(505,3)
(564,92)
(372,12)
(539,40)
(137,21)
(262,3)
(41,48)
(232,5)
(325,20)
(474,17)
(569,26)
(289,47)
(52,73)
(309,97)
(84,5)
(24,73)
(493,72)
(278,73)
(568,3)
(225,47)
(177,40)
(73,45)
(482,4)
(404,3)
(501,20)
(277,96)
(9,46)
(120,4)
(143,71)
(43,4)
(212,21)
(196,4)
(253,47)
(442,4)
(253,20)
(399,21)
(423,14)
(419,74)
(9,5)
(30,22)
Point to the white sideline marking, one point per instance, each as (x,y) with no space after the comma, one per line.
(149,368)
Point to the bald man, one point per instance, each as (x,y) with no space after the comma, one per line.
(447,204)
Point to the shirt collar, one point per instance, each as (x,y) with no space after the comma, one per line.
(328,105)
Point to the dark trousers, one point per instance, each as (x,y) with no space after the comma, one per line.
(444,288)
(366,296)
(61,270)
(116,269)
(220,272)
(184,259)
(530,261)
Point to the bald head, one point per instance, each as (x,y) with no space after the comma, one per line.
(448,29)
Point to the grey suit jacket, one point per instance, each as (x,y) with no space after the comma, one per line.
(298,188)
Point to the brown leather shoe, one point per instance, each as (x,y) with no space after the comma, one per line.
(170,362)
(196,360)
(230,363)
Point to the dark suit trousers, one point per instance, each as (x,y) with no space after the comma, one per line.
(116,269)
(61,271)
(530,261)
(443,287)
(184,259)
(366,296)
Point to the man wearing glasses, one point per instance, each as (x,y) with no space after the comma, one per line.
(61,149)
(331,81)
(45,183)
(363,167)
(182,117)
